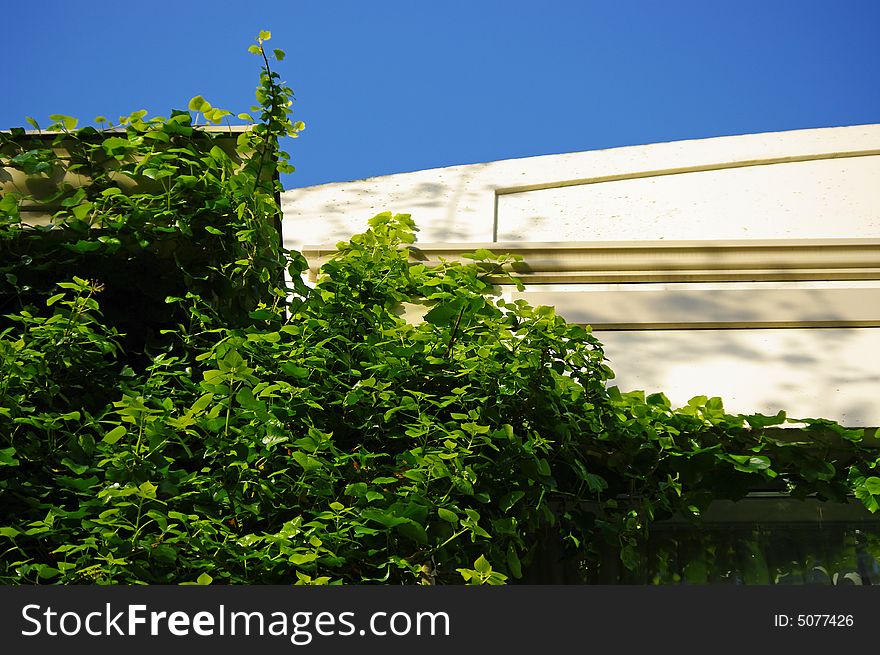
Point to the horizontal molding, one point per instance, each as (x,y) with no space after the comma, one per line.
(664,261)
(688,309)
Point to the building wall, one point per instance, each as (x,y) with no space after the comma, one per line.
(746,267)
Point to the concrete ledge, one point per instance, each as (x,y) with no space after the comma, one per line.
(664,261)
(701,309)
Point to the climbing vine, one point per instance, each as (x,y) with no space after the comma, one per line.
(177,407)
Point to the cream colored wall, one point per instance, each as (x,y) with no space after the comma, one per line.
(809,373)
(805,184)
(458,204)
(799,200)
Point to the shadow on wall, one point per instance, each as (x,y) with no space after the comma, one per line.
(809,372)
(757,306)
(334,212)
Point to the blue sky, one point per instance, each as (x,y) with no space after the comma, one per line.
(387,86)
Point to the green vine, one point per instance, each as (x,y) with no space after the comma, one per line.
(196,207)
(173,410)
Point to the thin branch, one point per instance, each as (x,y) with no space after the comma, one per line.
(454,332)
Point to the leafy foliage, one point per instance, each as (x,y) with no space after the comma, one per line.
(291,435)
(155,208)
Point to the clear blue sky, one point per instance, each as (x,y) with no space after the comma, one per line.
(389,86)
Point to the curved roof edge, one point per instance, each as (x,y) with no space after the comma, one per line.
(461,203)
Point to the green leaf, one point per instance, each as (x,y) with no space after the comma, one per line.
(543,467)
(629,557)
(872,484)
(715,404)
(204,579)
(447,515)
(32,123)
(117,147)
(412,530)
(294,371)
(752,463)
(198,103)
(245,398)
(415,475)
(868,499)
(272,440)
(69,122)
(384,518)
(263,315)
(308,462)
(216,115)
(763,420)
(79,469)
(51,301)
(265,35)
(164,554)
(511,499)
(254,49)
(513,562)
(658,400)
(231,361)
(7,457)
(357,489)
(279,54)
(201,404)
(82,246)
(114,435)
(147,490)
(445,313)
(482,565)
(595,483)
(81,211)
(480,254)
(302,558)
(78,484)
(249,540)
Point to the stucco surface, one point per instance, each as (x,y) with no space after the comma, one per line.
(807,199)
(809,373)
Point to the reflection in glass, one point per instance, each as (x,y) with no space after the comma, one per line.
(777,541)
